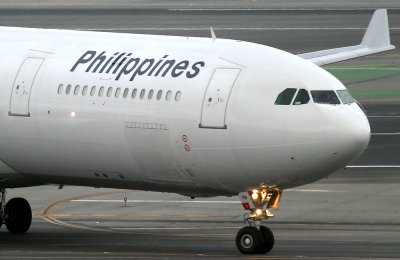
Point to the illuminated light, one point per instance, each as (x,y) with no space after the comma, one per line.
(246,205)
(258,212)
(263,195)
(73,114)
(254,195)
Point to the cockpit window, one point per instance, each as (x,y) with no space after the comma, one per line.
(302,97)
(345,96)
(285,97)
(325,97)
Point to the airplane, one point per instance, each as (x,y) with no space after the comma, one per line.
(201,117)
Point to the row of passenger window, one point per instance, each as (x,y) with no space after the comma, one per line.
(118,92)
(319,97)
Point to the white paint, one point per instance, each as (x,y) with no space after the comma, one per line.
(118,29)
(373,166)
(320,191)
(379,116)
(267,9)
(174,228)
(161,201)
(386,134)
(361,68)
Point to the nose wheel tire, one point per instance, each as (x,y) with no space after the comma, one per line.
(18,215)
(268,239)
(250,240)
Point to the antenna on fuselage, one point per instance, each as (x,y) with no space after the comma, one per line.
(213,34)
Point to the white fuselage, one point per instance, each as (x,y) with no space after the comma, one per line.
(205,124)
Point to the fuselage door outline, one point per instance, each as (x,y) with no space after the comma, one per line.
(22,87)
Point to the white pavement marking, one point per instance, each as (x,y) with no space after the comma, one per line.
(373,166)
(224,28)
(190,201)
(268,9)
(161,201)
(324,191)
(172,228)
(361,68)
(395,116)
(385,134)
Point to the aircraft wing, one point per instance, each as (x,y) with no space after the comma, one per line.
(376,39)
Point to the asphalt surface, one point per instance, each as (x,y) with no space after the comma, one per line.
(352,214)
(201,4)
(291,30)
(349,215)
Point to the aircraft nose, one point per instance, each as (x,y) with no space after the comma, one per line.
(348,133)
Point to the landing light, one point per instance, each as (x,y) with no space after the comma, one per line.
(73,114)
(254,195)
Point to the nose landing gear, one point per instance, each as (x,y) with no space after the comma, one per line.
(16,214)
(256,238)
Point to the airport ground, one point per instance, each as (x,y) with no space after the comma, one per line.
(355,213)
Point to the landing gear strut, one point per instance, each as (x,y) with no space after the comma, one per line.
(16,214)
(256,238)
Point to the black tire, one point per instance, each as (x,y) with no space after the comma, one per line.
(249,240)
(18,215)
(269,239)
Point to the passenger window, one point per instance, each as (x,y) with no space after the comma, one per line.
(85,90)
(60,89)
(93,91)
(151,93)
(325,97)
(285,97)
(101,91)
(178,96)
(76,91)
(117,92)
(126,92)
(168,96)
(109,92)
(68,89)
(134,93)
(142,93)
(159,94)
(302,97)
(345,96)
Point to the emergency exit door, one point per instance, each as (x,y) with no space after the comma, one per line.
(216,98)
(21,91)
